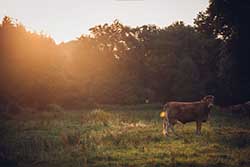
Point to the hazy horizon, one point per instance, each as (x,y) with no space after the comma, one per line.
(65,21)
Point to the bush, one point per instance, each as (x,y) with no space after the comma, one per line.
(98,116)
(10,107)
(54,108)
(71,138)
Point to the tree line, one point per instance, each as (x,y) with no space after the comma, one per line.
(119,64)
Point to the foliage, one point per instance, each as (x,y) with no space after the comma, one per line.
(116,64)
(54,108)
(227,20)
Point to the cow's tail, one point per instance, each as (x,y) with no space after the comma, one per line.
(166,109)
(166,123)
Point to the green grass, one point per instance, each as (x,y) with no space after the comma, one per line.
(120,136)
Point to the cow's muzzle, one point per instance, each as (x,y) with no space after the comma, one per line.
(210,105)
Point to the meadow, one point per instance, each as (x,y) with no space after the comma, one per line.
(120,136)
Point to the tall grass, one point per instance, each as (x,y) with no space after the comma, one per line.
(114,136)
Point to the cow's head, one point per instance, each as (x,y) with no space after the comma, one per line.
(209,99)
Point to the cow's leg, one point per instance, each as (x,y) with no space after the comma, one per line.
(171,126)
(198,127)
(165,127)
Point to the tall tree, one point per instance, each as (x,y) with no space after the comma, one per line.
(229,21)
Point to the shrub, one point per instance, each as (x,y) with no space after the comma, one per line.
(98,116)
(71,138)
(54,108)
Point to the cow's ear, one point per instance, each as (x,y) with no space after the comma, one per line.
(204,98)
(210,98)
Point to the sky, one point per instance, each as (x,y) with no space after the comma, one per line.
(66,20)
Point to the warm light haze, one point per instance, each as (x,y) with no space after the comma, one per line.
(65,20)
(124,83)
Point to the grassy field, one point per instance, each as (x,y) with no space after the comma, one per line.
(120,136)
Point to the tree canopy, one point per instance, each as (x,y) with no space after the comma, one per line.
(229,21)
(119,64)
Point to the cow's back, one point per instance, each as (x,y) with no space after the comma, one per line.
(186,111)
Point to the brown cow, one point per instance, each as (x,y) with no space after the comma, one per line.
(186,112)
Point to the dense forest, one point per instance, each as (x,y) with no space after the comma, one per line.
(119,64)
